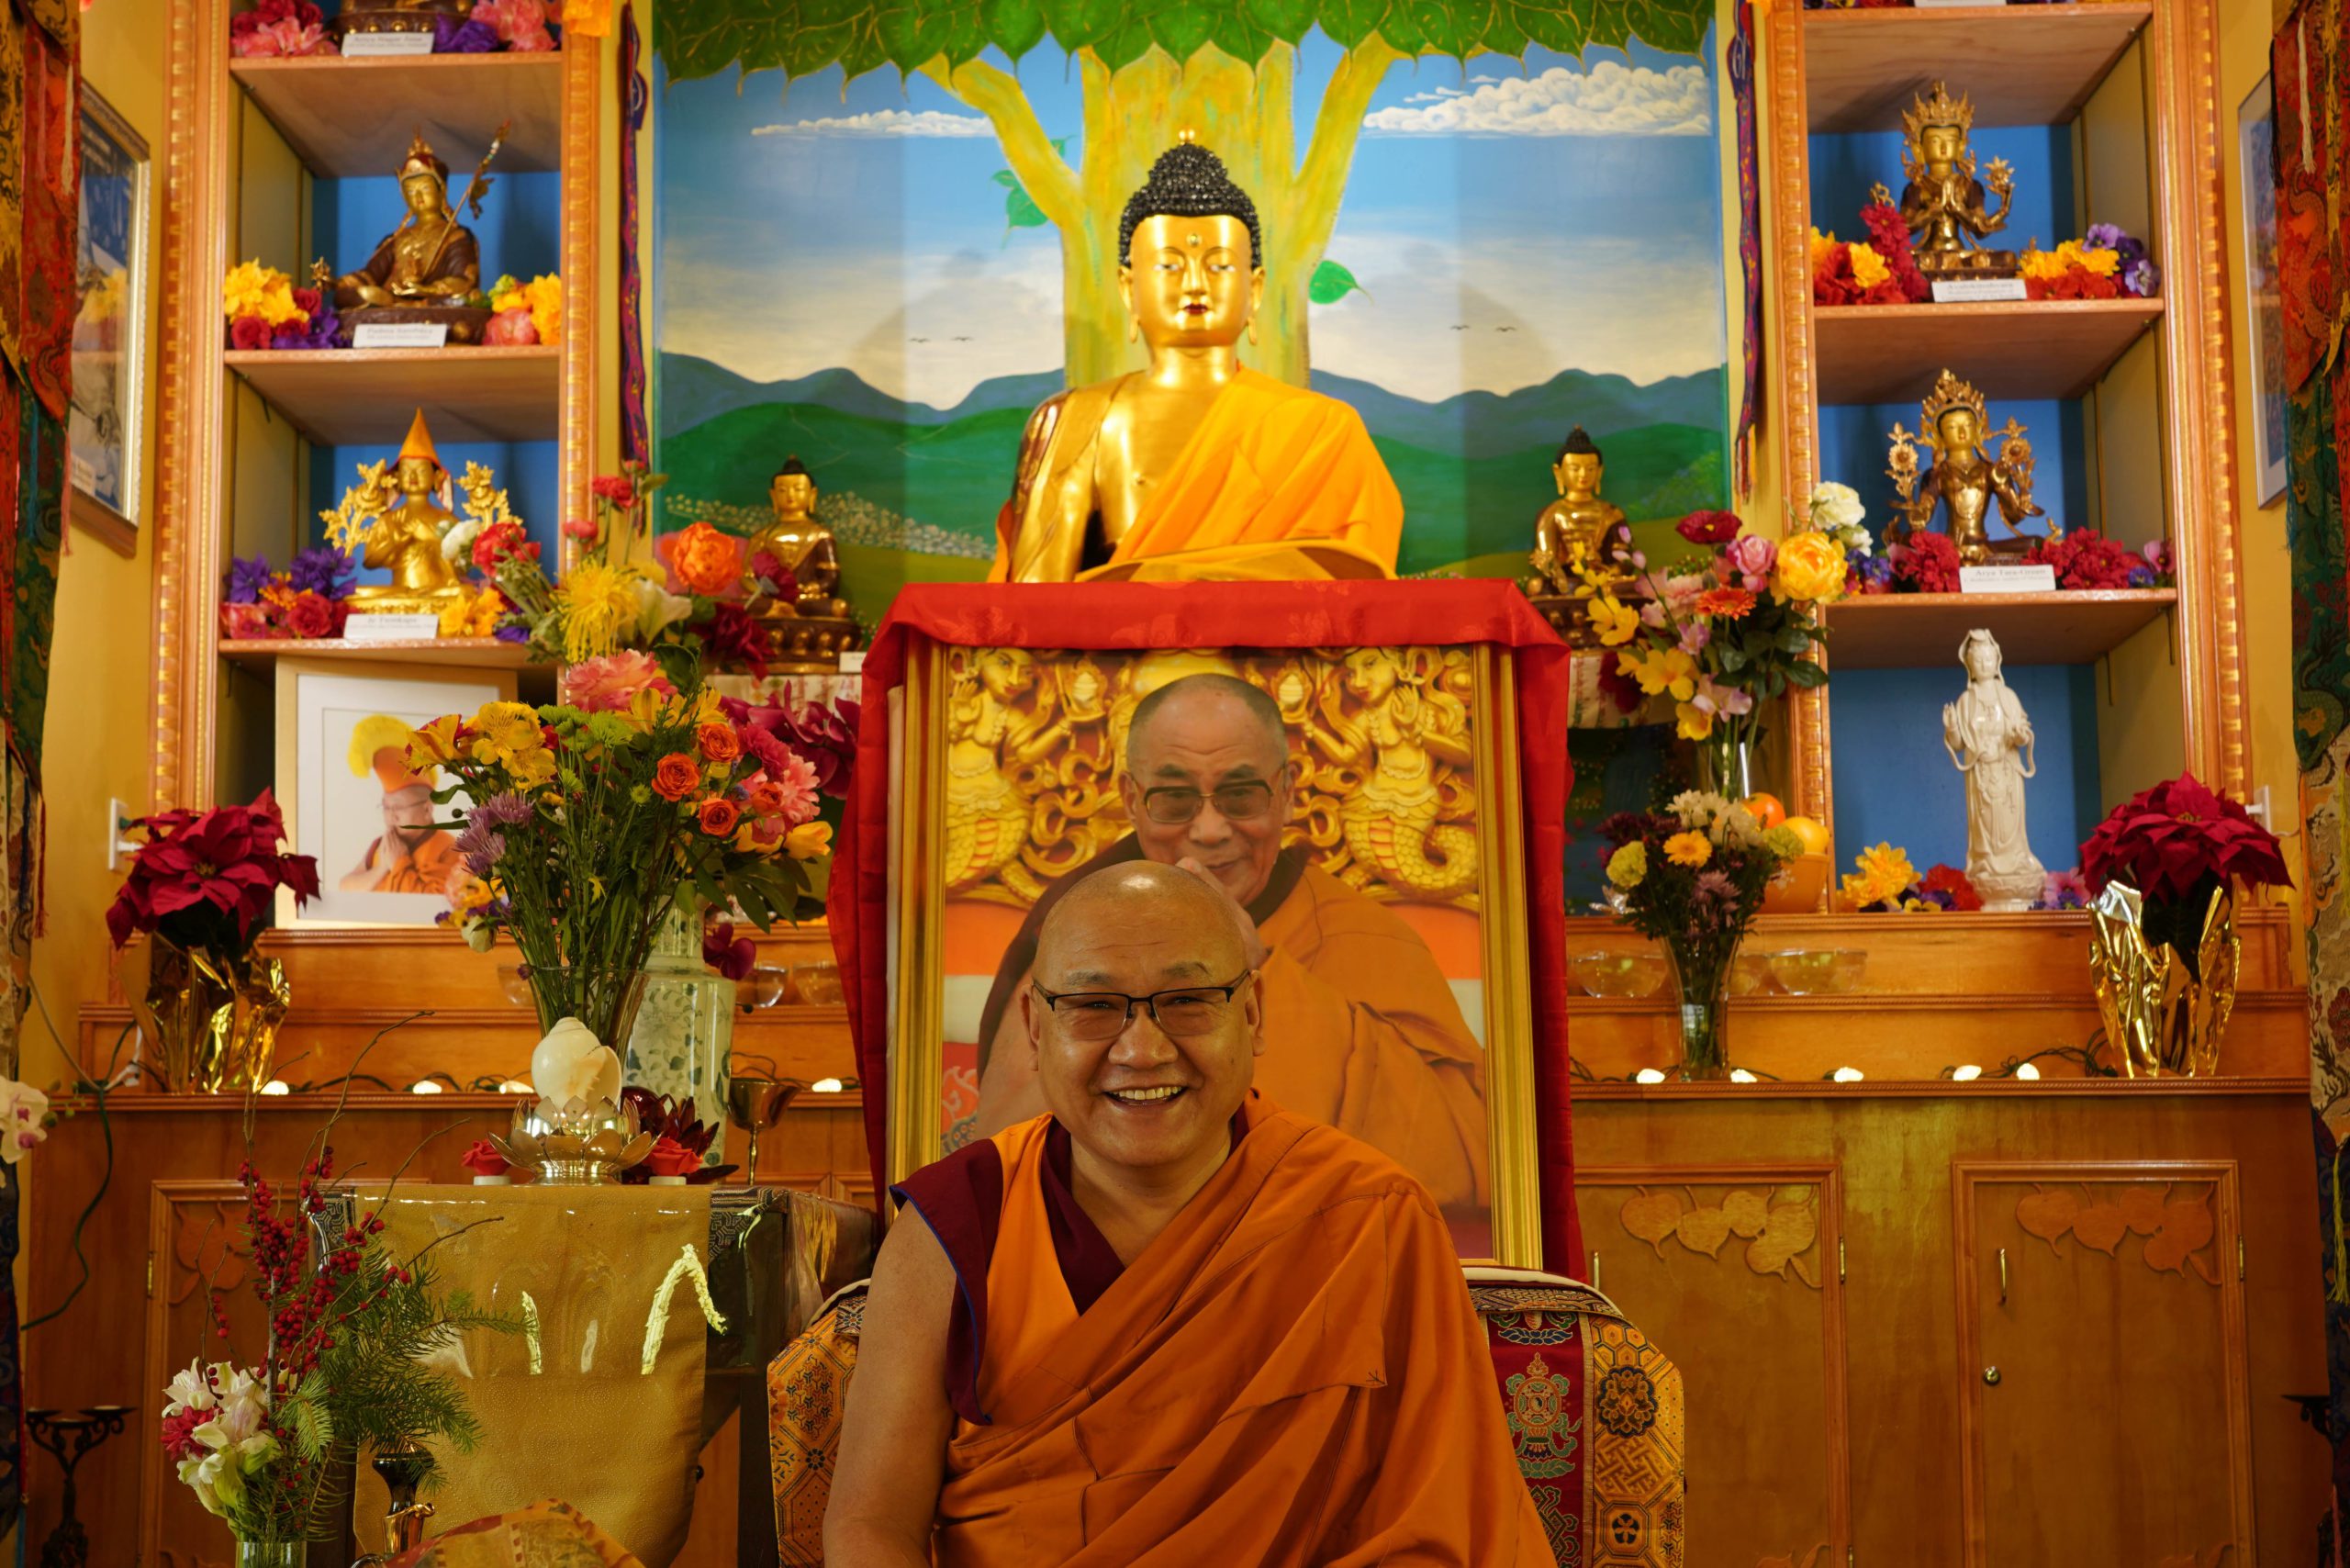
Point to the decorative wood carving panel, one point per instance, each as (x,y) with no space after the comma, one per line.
(1780,1228)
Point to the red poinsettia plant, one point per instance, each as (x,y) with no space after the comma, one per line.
(203,880)
(2179,843)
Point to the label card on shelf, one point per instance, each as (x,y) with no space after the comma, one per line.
(2005,579)
(1961,290)
(356,44)
(400,335)
(383,628)
(853,663)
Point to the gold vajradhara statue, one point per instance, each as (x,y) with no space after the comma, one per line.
(1579,541)
(428,268)
(1943,202)
(812,629)
(1195,466)
(395,521)
(1964,483)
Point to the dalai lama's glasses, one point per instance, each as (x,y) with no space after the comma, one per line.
(1105,1014)
(1172,805)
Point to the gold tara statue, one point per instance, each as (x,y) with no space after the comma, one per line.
(1963,482)
(1943,202)
(1579,541)
(425,269)
(393,520)
(1195,466)
(813,629)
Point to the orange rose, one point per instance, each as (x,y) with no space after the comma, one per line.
(766,798)
(717,742)
(707,561)
(718,817)
(678,777)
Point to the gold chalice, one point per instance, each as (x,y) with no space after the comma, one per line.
(754,1104)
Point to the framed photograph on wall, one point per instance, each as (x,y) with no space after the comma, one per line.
(1361,805)
(107,419)
(385,852)
(2264,330)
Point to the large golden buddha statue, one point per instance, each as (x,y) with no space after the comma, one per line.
(1195,466)
(425,269)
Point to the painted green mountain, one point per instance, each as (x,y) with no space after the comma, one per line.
(1473,470)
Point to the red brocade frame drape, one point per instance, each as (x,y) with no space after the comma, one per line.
(1228,615)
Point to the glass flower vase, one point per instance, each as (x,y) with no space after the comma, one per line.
(603,998)
(1701,997)
(684,1037)
(270,1553)
(1729,760)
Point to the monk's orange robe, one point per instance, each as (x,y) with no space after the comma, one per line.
(426,870)
(1290,1375)
(1362,1031)
(1277,483)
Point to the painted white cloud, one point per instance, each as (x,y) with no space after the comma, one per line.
(1608,100)
(882,122)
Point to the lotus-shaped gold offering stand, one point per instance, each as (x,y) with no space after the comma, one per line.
(579,1144)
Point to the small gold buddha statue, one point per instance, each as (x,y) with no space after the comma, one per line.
(395,522)
(809,631)
(1579,541)
(425,269)
(1963,482)
(400,16)
(1943,202)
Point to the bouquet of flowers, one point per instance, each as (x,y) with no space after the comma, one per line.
(2179,845)
(1923,563)
(2085,559)
(1881,269)
(279,28)
(306,600)
(350,1329)
(1730,626)
(587,822)
(518,26)
(266,311)
(1884,881)
(1692,878)
(527,312)
(2106,265)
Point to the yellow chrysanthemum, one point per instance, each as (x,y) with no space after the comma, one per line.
(1628,866)
(1690,849)
(543,295)
(1615,625)
(472,614)
(1820,245)
(1884,873)
(2044,264)
(599,604)
(252,289)
(1868,267)
(809,841)
(2096,258)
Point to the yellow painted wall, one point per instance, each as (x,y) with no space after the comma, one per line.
(99,721)
(2245,28)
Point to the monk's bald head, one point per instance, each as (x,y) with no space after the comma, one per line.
(1192,930)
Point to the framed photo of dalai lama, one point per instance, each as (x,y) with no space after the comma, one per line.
(1358,806)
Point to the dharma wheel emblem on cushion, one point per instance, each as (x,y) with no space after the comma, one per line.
(1626,1402)
(1539,1423)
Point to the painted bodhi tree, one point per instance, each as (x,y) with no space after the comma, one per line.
(1225,69)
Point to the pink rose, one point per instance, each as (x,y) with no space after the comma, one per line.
(1751,556)
(510,328)
(609,684)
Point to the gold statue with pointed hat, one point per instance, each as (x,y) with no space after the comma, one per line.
(395,521)
(429,266)
(1943,202)
(1964,483)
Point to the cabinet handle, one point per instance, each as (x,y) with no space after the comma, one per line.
(1991,1376)
(2003,1281)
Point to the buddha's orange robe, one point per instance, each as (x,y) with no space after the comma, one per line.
(1290,1375)
(426,870)
(1277,483)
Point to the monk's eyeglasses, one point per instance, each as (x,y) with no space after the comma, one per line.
(1172,805)
(1105,1014)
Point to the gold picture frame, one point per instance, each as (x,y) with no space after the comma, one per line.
(1484,790)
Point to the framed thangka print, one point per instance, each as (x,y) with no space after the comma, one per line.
(1359,804)
(2256,162)
(107,418)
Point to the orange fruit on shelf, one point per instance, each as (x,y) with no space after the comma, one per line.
(1814,837)
(1766,809)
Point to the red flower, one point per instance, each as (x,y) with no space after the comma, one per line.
(312,615)
(1889,237)
(2178,837)
(1708,527)
(307,301)
(731,956)
(579,528)
(719,816)
(669,1158)
(676,775)
(249,332)
(1831,281)
(179,1441)
(501,542)
(2085,559)
(1951,881)
(733,639)
(1926,563)
(204,882)
(613,487)
(483,1160)
(774,576)
(1726,603)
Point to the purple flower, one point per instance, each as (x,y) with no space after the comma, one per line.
(2142,279)
(1876,571)
(511,631)
(453,37)
(2106,236)
(322,570)
(508,809)
(1715,885)
(245,580)
(481,846)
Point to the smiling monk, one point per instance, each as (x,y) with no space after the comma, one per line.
(1168,1323)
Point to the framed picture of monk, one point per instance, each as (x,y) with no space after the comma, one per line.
(1356,806)
(385,852)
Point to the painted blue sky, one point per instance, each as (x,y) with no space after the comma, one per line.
(1506,223)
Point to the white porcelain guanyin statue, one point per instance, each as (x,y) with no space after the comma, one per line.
(1988,736)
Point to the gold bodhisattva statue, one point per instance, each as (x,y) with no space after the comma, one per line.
(1195,466)
(814,627)
(1963,482)
(396,523)
(427,268)
(1943,202)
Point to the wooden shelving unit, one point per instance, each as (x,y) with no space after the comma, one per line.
(2047,348)
(1898,631)
(462,652)
(1862,68)
(361,397)
(354,117)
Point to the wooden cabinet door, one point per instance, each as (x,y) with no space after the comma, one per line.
(2102,1359)
(1733,1271)
(195,1245)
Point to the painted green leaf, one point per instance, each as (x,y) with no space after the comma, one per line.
(1015,27)
(1180,30)
(1020,212)
(1332,282)
(1076,24)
